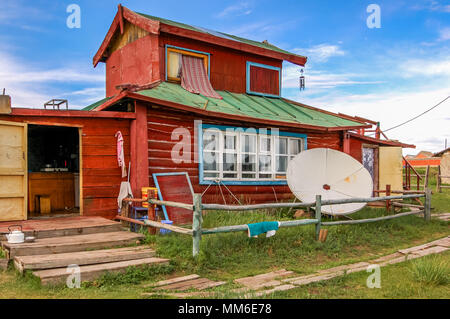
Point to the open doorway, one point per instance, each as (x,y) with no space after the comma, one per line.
(53,171)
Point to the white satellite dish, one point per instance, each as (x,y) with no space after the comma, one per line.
(332,174)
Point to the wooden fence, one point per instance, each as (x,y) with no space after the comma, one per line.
(198,207)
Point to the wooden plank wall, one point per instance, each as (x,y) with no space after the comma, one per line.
(101,175)
(160,144)
(228,66)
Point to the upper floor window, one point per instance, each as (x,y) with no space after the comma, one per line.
(174,61)
(263,79)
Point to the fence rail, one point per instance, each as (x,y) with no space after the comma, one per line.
(197,231)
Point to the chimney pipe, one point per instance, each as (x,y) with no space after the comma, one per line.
(5,103)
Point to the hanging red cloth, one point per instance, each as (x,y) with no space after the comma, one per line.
(120,153)
(194,77)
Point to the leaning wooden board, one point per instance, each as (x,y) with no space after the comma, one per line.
(175,187)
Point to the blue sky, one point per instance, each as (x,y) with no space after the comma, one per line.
(388,74)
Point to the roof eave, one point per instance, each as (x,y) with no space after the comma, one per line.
(383,142)
(148,25)
(295,59)
(155,27)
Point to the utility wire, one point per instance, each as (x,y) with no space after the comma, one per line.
(418,115)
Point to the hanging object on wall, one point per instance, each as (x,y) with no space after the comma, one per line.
(332,174)
(120,153)
(302,80)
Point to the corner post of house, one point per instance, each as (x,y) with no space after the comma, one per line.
(377,131)
(318,214)
(139,150)
(197,225)
(427,211)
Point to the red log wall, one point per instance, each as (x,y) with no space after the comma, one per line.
(101,175)
(160,144)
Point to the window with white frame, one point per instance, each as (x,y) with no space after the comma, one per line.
(238,155)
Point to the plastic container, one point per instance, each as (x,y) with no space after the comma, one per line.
(163,231)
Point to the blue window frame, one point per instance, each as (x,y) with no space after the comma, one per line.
(168,46)
(249,64)
(246,156)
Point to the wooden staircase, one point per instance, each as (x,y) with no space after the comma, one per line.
(95,251)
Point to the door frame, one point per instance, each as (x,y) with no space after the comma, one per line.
(24,165)
(80,157)
(376,176)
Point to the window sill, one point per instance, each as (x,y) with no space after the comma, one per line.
(244,183)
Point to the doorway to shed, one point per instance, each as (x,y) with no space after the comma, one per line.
(53,171)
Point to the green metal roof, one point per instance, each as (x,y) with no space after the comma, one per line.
(94,105)
(218,34)
(258,107)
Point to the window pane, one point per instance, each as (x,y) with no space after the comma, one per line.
(295,146)
(210,161)
(230,162)
(229,142)
(173,65)
(211,175)
(281,163)
(282,145)
(264,144)
(210,140)
(265,163)
(228,175)
(248,175)
(248,143)
(248,163)
(265,175)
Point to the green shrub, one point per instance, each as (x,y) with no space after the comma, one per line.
(433,270)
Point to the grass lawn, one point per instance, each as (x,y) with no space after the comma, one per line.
(232,255)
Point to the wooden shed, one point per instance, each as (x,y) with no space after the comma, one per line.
(55,162)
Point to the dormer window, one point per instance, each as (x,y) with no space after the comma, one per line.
(263,79)
(174,61)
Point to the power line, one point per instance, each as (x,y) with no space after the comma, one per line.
(418,115)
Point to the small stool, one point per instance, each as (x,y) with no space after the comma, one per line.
(43,204)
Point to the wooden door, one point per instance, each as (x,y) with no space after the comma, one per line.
(390,167)
(13,171)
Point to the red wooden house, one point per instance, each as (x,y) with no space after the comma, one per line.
(188,99)
(143,56)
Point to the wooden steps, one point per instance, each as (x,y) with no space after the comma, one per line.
(67,226)
(67,244)
(94,245)
(91,272)
(38,262)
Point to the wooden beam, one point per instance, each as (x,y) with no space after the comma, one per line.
(72,113)
(370,220)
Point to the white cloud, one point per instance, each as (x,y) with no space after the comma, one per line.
(431,67)
(238,9)
(321,52)
(319,80)
(30,86)
(428,132)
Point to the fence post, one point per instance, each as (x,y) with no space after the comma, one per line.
(197,225)
(388,193)
(438,180)
(427,212)
(318,214)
